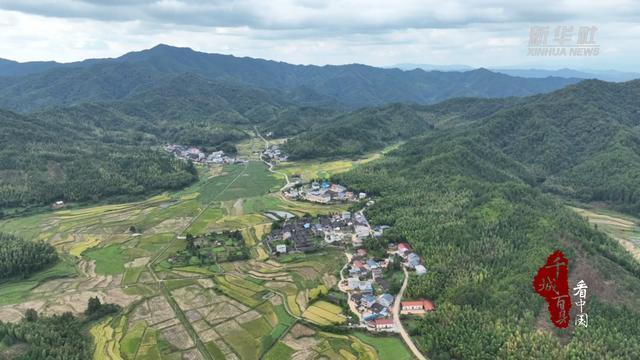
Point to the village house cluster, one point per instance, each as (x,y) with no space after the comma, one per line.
(412,260)
(196,155)
(323,192)
(307,234)
(369,291)
(274,154)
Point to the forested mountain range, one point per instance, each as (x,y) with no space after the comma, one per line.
(191,110)
(581,141)
(49,84)
(97,150)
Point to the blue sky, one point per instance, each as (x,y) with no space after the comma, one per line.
(489,33)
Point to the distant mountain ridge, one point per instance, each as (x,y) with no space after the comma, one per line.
(605,75)
(354,85)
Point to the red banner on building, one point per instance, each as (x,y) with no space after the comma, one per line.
(552,283)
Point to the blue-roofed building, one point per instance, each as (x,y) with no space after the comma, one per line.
(371,317)
(366,287)
(325,185)
(413,260)
(385,300)
(368,300)
(372,264)
(307,225)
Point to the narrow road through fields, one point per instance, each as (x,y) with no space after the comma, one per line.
(167,294)
(396,318)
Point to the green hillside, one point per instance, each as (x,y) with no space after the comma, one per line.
(483,231)
(42,162)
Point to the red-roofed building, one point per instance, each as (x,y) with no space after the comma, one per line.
(403,248)
(358,264)
(380,324)
(416,307)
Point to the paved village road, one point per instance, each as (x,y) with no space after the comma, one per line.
(270,164)
(342,288)
(398,324)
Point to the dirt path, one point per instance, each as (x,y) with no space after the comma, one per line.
(396,318)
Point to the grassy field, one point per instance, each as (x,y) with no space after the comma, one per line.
(388,348)
(279,351)
(109,260)
(309,170)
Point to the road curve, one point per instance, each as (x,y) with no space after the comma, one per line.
(270,164)
(398,324)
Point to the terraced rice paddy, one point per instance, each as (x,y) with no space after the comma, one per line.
(305,342)
(324,313)
(244,309)
(621,227)
(107,340)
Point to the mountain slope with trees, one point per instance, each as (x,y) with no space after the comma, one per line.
(582,141)
(42,162)
(474,215)
(368,129)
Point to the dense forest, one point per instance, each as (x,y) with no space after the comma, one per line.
(19,257)
(189,109)
(483,229)
(59,337)
(41,162)
(369,129)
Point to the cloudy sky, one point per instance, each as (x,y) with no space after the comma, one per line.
(486,33)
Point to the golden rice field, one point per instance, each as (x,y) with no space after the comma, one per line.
(324,313)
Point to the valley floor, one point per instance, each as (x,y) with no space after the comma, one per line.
(246,309)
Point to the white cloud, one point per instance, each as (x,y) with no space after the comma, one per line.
(479,32)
